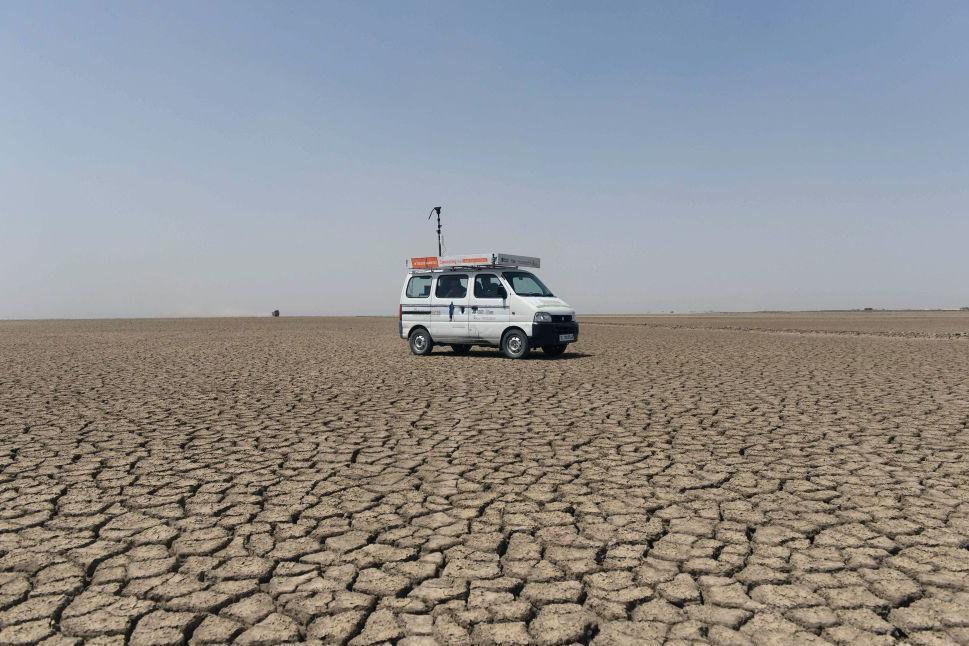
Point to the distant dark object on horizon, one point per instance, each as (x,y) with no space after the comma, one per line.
(869,309)
(276,313)
(964,309)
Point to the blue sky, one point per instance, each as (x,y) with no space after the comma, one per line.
(232,158)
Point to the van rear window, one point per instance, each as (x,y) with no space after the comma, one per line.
(419,287)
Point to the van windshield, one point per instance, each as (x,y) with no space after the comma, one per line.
(526,284)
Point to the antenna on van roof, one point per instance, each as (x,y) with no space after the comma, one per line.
(437,209)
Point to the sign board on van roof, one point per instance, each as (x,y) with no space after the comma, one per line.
(473,260)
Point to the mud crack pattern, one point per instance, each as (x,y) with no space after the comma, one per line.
(283,480)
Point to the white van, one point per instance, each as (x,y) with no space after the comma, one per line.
(482,299)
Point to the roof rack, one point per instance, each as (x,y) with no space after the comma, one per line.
(473,261)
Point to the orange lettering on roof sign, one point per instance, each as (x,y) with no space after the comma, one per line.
(472,260)
(426,262)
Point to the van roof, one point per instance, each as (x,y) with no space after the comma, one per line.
(473,261)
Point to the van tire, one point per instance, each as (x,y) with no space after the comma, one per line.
(420,342)
(554,350)
(460,349)
(514,344)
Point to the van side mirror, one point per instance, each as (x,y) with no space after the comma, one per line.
(502,293)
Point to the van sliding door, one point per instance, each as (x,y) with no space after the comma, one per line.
(450,309)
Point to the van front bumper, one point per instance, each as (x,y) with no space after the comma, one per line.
(549,333)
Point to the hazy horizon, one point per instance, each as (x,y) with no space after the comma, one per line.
(162,317)
(230,159)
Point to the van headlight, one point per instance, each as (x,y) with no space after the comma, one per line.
(543,317)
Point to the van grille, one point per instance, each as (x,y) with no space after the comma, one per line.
(561,318)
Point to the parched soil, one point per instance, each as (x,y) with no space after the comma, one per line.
(263,481)
(915,324)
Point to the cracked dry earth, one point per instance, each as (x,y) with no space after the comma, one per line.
(279,480)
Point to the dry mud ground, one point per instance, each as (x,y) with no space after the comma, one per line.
(766,479)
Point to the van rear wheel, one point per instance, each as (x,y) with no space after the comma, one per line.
(514,344)
(420,342)
(554,350)
(460,348)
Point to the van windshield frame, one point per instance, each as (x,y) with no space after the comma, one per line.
(511,277)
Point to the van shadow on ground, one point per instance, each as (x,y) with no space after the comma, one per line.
(494,353)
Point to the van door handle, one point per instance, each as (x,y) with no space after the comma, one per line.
(474,308)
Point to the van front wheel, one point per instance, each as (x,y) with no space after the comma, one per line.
(420,342)
(514,344)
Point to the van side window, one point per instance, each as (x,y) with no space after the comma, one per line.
(452,286)
(419,287)
(487,286)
